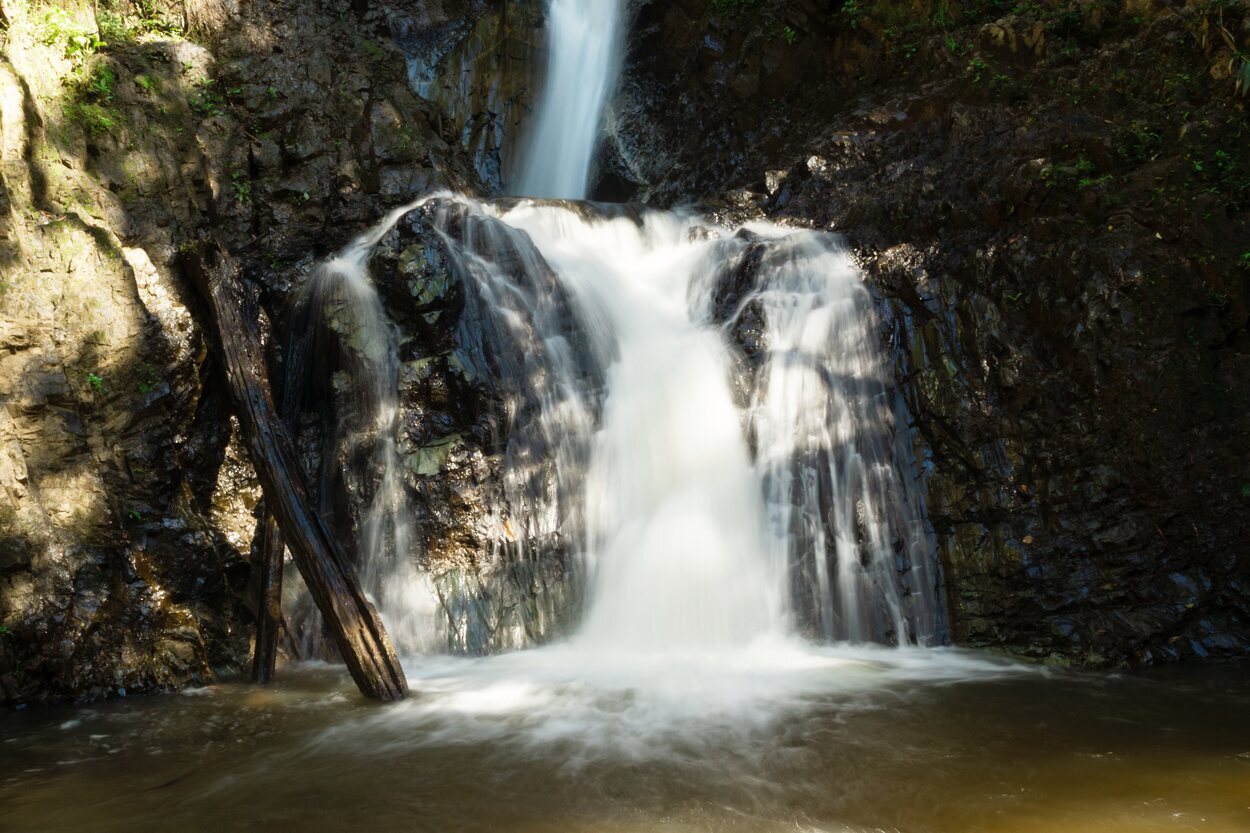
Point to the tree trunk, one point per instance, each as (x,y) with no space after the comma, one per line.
(354,624)
(269,599)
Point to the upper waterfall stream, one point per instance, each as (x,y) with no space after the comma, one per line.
(585,49)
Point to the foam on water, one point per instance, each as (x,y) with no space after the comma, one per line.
(589,705)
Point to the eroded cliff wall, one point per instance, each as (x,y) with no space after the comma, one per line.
(1051,202)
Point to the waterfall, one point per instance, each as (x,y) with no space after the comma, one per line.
(584,43)
(340,312)
(723,496)
(829,453)
(700,414)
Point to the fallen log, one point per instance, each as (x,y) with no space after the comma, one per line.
(351,619)
(270,548)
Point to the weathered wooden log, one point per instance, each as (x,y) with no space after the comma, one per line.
(354,624)
(269,551)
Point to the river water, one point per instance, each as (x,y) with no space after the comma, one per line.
(918,742)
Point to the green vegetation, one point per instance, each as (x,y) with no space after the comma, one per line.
(1082,174)
(127,22)
(92,100)
(372,51)
(854,12)
(206,101)
(241,188)
(94,118)
(96,382)
(976,70)
(1220,172)
(149,379)
(98,86)
(1138,143)
(1238,63)
(733,7)
(55,28)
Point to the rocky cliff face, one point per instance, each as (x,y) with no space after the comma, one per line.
(129,131)
(1049,198)
(1051,202)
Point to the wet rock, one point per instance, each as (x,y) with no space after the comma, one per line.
(1006,221)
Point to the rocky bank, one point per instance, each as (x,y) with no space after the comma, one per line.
(1050,200)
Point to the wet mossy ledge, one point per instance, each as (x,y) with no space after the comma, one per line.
(1049,199)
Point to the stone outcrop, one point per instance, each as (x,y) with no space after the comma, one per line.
(1052,207)
(126,501)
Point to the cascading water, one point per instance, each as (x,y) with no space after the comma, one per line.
(584,38)
(829,453)
(341,304)
(696,514)
(717,491)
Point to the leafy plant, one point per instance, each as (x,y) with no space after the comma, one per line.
(976,70)
(149,378)
(241,188)
(206,101)
(98,86)
(96,382)
(135,20)
(56,27)
(1139,143)
(854,12)
(1238,63)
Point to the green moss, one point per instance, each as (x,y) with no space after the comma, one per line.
(734,7)
(94,118)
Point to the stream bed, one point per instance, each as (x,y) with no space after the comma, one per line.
(782,737)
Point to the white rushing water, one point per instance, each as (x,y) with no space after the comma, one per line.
(709,427)
(717,496)
(341,297)
(584,41)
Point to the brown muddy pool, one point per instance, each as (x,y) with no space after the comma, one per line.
(822,740)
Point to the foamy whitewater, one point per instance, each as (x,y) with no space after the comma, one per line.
(719,498)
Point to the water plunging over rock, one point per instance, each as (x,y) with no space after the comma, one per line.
(585,55)
(710,489)
(697,414)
